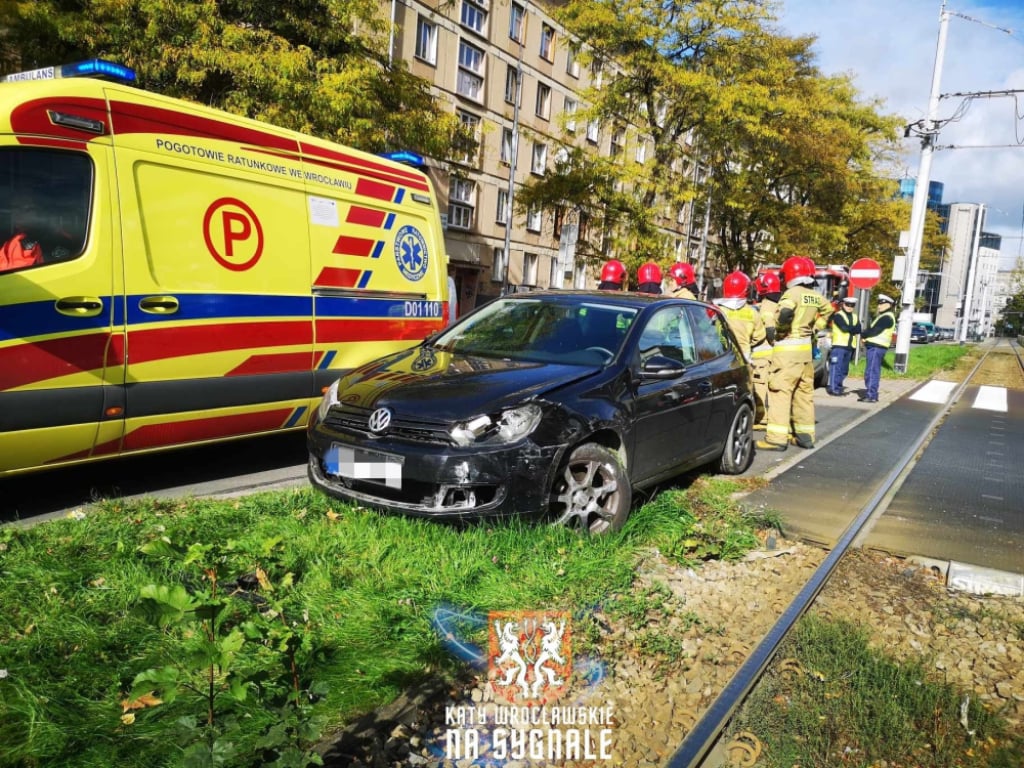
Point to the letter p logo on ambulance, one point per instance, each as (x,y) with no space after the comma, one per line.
(530,655)
(411,253)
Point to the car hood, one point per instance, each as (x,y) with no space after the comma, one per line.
(442,386)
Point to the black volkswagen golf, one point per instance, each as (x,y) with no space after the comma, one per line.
(553,404)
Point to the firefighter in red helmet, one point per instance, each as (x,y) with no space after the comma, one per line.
(613,275)
(769,291)
(648,278)
(683,280)
(802,312)
(744,321)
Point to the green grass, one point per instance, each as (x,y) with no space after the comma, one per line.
(843,703)
(358,589)
(923,361)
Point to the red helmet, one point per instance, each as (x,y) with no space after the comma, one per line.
(798,269)
(735,285)
(683,274)
(649,272)
(613,271)
(810,263)
(768,282)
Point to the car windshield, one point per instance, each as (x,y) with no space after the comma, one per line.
(542,330)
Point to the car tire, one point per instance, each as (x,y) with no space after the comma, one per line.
(591,492)
(739,444)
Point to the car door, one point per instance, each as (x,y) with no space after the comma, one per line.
(672,413)
(60,372)
(723,370)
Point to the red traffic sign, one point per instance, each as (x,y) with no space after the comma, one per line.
(865,273)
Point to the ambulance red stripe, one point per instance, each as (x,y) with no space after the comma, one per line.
(337,277)
(347,245)
(194,430)
(370,217)
(276,363)
(40,360)
(328,331)
(375,190)
(180,341)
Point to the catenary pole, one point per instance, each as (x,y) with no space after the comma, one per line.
(920,201)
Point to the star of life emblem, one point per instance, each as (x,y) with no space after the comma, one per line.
(530,655)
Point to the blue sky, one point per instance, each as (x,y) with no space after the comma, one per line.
(888,48)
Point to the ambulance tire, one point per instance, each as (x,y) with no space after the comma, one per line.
(739,443)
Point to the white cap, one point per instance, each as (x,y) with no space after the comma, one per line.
(882,298)
(849,300)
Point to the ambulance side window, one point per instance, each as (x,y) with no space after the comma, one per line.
(45,202)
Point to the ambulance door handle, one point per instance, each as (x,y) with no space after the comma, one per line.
(80,306)
(159,305)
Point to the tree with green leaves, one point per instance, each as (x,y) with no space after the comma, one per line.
(791,155)
(316,66)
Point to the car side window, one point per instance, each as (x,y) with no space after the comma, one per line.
(710,332)
(45,198)
(668,333)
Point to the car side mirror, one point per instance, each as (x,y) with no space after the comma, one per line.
(661,367)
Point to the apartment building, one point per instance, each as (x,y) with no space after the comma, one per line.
(479,57)
(969,272)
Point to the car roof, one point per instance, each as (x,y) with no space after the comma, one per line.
(618,298)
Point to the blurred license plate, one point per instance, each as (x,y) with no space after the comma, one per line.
(361,464)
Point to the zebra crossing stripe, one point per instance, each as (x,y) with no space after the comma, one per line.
(934,392)
(991,399)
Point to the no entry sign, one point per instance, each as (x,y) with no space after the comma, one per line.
(865,273)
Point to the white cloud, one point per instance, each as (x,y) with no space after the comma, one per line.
(888,47)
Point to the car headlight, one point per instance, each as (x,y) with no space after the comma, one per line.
(329,399)
(511,425)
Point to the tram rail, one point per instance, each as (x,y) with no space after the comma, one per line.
(702,738)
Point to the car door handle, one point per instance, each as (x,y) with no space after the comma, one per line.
(159,305)
(80,306)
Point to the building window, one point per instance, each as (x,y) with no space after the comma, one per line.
(556,279)
(547,42)
(474,17)
(618,142)
(641,150)
(579,278)
(471,71)
(529,269)
(426,41)
(461,203)
(498,266)
(572,64)
(511,83)
(540,158)
(506,145)
(533,220)
(569,108)
(471,125)
(596,73)
(501,214)
(593,132)
(543,100)
(515,22)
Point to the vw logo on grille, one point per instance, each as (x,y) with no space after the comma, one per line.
(379,420)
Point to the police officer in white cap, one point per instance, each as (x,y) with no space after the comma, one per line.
(877,338)
(845,335)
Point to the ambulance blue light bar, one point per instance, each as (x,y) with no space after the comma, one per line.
(407,157)
(107,70)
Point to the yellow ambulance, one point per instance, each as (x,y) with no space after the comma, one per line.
(173,275)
